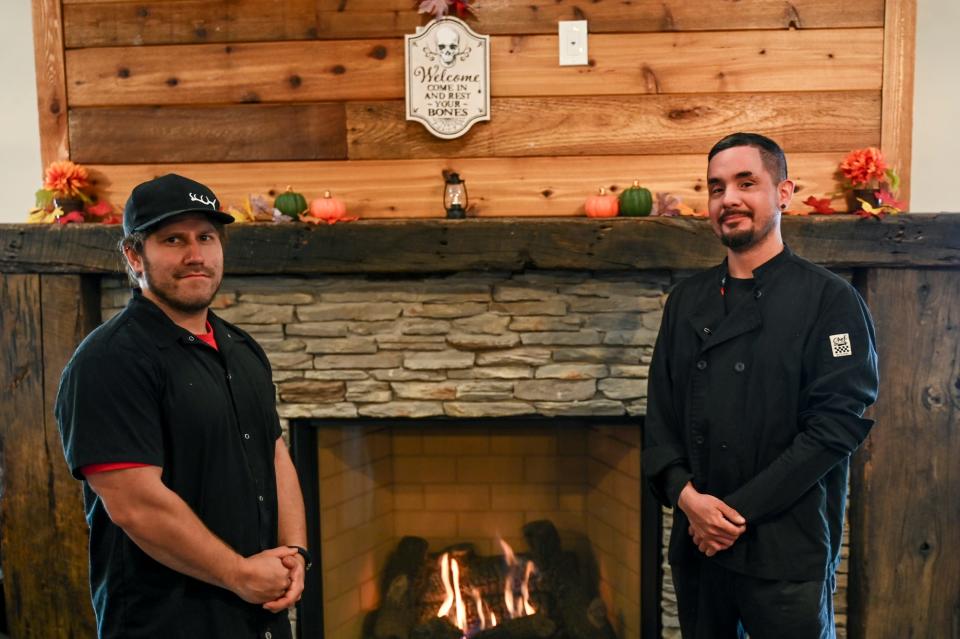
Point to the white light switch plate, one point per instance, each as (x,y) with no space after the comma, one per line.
(573,42)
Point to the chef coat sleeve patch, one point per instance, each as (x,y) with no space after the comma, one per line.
(840,345)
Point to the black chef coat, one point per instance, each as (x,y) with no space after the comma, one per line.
(762,407)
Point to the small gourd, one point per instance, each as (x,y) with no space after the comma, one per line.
(327,208)
(636,201)
(290,203)
(602,205)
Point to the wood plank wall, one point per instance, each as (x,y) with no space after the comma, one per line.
(253,95)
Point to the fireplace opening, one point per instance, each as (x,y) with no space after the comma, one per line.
(507,528)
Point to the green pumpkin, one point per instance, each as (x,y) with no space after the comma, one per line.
(636,201)
(290,203)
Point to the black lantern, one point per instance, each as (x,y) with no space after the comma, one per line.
(455,196)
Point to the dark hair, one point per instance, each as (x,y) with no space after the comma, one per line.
(770,152)
(135,242)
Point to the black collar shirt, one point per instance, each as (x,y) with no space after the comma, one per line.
(761,404)
(142,389)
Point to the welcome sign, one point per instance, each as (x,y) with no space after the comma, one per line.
(447,77)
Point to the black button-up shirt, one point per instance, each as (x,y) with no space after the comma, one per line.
(142,389)
(763,410)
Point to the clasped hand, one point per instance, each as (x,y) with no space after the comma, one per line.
(273,578)
(714,525)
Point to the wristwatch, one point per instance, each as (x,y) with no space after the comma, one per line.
(303,552)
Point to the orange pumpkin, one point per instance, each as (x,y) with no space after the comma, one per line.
(602,205)
(325,209)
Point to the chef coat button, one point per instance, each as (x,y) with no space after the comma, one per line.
(702,364)
(706,330)
(757,293)
(739,367)
(260,497)
(699,440)
(723,445)
(268,635)
(191,339)
(246,435)
(229,376)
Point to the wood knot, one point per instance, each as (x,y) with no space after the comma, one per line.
(295,81)
(172,82)
(684,114)
(123,72)
(379,52)
(338,69)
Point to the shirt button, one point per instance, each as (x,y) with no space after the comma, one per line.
(739,367)
(191,338)
(268,635)
(229,376)
(260,497)
(246,435)
(699,440)
(702,364)
(706,331)
(757,293)
(723,445)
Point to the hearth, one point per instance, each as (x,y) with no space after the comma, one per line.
(486,529)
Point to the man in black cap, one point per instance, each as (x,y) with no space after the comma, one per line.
(167,414)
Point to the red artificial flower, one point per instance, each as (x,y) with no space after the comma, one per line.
(462,8)
(66,178)
(71,217)
(820,206)
(100,209)
(887,199)
(864,166)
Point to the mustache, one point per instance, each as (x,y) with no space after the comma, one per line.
(195,271)
(731,212)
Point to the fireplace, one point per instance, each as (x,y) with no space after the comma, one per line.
(422,524)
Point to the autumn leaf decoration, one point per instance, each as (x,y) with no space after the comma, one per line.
(440,8)
(820,206)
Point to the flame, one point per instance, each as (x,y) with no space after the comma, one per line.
(461,609)
(445,576)
(516,593)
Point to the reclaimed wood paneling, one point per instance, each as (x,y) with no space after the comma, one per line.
(551,186)
(380,18)
(905,580)
(622,125)
(98,23)
(899,42)
(623,64)
(396,246)
(44,533)
(51,81)
(111,23)
(239,133)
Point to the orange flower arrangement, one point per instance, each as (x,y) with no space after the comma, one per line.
(67,197)
(64,178)
(865,168)
(872,183)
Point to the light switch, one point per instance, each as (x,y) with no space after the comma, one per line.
(573,42)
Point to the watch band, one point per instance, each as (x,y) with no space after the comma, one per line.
(303,552)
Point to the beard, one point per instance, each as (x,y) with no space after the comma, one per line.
(742,239)
(167,293)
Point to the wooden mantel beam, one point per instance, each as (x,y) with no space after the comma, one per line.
(436,245)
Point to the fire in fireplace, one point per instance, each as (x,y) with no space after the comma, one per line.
(463,594)
(481,529)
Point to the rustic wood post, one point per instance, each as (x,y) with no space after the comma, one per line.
(905,510)
(43,318)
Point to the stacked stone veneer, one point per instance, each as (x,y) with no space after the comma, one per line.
(466,345)
(472,345)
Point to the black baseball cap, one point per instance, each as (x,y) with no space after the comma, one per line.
(166,196)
